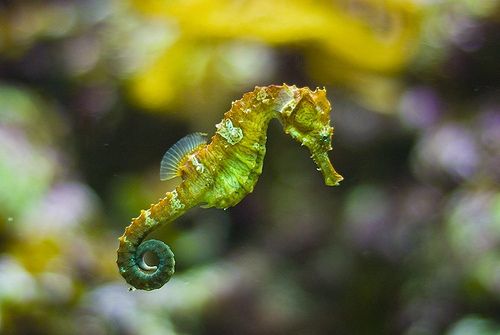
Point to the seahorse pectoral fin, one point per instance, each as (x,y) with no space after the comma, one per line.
(332,178)
(173,158)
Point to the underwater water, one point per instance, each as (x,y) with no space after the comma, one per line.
(94,93)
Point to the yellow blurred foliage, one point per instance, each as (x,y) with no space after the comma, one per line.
(38,255)
(343,39)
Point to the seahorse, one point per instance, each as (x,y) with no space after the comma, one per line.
(220,173)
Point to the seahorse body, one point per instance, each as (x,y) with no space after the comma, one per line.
(221,173)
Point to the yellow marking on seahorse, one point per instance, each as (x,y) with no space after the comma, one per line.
(231,133)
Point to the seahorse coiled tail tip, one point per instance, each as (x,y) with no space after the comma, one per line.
(221,172)
(138,273)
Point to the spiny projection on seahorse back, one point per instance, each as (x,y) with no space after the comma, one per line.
(222,172)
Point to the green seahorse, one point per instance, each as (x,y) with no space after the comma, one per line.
(220,173)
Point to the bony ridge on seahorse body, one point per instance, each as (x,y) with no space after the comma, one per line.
(222,172)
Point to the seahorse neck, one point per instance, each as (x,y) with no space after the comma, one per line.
(255,110)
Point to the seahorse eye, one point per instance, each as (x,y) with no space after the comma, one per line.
(325,135)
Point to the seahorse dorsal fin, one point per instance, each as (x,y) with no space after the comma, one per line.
(170,163)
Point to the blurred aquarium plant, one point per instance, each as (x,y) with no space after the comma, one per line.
(335,37)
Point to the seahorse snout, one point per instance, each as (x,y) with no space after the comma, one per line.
(332,178)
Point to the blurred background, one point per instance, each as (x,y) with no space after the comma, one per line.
(92,93)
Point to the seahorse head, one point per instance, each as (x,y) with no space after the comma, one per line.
(308,122)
